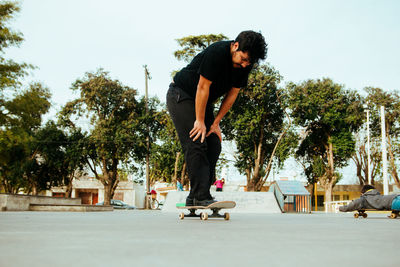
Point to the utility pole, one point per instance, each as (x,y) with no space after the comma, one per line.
(384,153)
(147,77)
(368,150)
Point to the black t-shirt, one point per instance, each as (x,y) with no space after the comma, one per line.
(215,64)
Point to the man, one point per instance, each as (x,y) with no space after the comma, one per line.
(372,199)
(220,70)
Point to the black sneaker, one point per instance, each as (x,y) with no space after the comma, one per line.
(204,203)
(189,201)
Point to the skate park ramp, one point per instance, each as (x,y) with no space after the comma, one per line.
(246,202)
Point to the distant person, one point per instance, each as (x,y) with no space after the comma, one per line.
(179,186)
(372,199)
(219,184)
(153,194)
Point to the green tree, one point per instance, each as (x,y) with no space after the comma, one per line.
(256,123)
(193,44)
(119,125)
(10,71)
(14,138)
(59,157)
(74,161)
(391,101)
(26,109)
(17,136)
(14,152)
(312,161)
(330,115)
(45,169)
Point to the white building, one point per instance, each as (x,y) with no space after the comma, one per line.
(91,191)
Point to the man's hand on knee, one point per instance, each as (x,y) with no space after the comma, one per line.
(215,129)
(199,130)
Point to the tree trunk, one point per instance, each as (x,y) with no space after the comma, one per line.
(314,191)
(269,166)
(109,179)
(7,187)
(257,165)
(374,171)
(359,175)
(110,183)
(184,178)
(250,182)
(392,163)
(178,154)
(107,194)
(328,194)
(68,191)
(360,159)
(330,161)
(358,162)
(251,187)
(330,178)
(34,190)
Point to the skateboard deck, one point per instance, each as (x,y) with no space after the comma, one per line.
(215,207)
(361,213)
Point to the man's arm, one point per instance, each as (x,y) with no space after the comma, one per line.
(226,105)
(199,127)
(354,205)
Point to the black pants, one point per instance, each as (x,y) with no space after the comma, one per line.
(201,158)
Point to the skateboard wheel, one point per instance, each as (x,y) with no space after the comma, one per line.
(226,216)
(393,216)
(204,216)
(181,215)
(356,215)
(365,215)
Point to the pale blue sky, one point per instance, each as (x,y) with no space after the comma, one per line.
(355,43)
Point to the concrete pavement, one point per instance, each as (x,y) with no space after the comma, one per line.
(154,238)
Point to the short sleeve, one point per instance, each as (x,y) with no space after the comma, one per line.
(211,64)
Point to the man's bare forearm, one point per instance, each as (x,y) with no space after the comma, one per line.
(201,102)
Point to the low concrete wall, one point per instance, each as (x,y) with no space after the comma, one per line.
(43,200)
(69,208)
(15,202)
(246,202)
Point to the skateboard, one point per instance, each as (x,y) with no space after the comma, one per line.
(393,215)
(215,207)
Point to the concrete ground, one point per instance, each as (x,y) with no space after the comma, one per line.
(153,238)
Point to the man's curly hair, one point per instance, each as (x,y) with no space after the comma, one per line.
(253,43)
